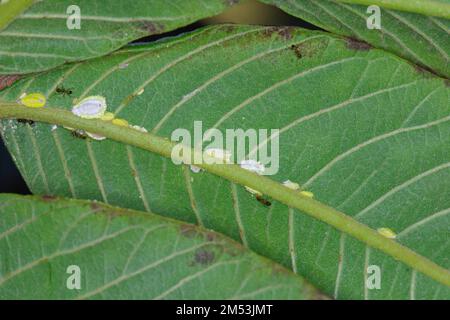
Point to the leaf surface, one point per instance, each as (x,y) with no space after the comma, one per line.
(125,254)
(362,129)
(418,38)
(40,38)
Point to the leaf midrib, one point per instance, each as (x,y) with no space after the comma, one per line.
(234,173)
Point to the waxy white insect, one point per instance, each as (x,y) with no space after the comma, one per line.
(253,191)
(95,136)
(195,169)
(291,185)
(92,107)
(388,233)
(221,154)
(253,166)
(139,128)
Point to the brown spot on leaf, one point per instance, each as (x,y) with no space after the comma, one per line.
(204,257)
(48,197)
(232,251)
(95,206)
(447,82)
(284,32)
(8,80)
(357,45)
(211,236)
(309,49)
(278,269)
(188,231)
(151,27)
(424,71)
(229,28)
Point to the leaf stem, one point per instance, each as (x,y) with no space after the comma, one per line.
(234,173)
(428,8)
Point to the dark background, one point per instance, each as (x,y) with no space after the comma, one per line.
(250,12)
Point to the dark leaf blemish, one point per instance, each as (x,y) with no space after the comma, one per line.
(48,197)
(8,80)
(357,45)
(204,257)
(188,230)
(152,27)
(284,32)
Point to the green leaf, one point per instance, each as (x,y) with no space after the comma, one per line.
(419,38)
(40,39)
(125,254)
(434,8)
(11,9)
(362,129)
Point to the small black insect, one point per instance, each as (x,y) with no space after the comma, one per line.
(63,91)
(263,201)
(26,121)
(80,134)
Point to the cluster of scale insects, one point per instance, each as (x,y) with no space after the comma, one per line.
(94,107)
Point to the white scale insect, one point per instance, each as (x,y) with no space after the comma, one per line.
(291,185)
(253,166)
(95,136)
(138,128)
(92,107)
(195,169)
(295,186)
(217,153)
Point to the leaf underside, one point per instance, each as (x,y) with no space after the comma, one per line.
(365,131)
(39,38)
(418,38)
(119,252)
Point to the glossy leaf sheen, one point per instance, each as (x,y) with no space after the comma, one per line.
(365,131)
(418,38)
(39,39)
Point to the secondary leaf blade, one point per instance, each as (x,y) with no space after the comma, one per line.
(418,38)
(124,254)
(40,39)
